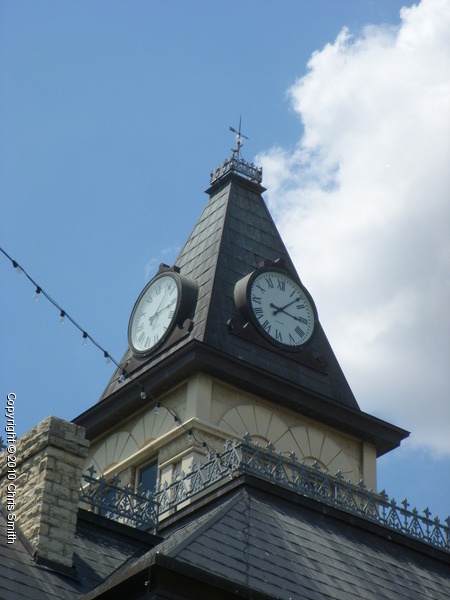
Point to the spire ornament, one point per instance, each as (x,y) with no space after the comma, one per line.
(239,137)
(235,163)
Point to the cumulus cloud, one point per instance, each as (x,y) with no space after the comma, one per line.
(363,203)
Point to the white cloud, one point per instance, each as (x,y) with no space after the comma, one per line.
(363,204)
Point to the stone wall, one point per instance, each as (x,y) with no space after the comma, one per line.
(49,458)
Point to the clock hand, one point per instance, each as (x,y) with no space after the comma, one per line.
(281,308)
(159,311)
(301,319)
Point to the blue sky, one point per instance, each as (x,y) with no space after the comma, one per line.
(112,115)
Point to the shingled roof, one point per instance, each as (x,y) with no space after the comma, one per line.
(233,235)
(249,539)
(254,540)
(101,547)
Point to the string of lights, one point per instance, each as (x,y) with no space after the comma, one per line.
(63,315)
(179,422)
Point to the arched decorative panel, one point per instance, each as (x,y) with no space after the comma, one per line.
(121,444)
(307,442)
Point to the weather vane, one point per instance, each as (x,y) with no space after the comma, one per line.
(239,137)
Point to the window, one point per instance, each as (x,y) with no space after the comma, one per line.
(148,476)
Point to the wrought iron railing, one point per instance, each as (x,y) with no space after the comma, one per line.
(277,468)
(238,165)
(118,503)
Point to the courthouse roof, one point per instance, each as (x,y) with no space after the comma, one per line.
(247,539)
(101,546)
(281,545)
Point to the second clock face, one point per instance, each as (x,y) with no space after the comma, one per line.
(154,314)
(281,309)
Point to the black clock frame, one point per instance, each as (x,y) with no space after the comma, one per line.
(184,310)
(242,299)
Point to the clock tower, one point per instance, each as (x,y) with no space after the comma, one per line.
(227,342)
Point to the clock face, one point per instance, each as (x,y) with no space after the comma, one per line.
(154,314)
(280,308)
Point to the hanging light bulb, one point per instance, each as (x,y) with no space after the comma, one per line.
(62,314)
(17,267)
(36,295)
(107,357)
(85,337)
(122,377)
(143,393)
(156,409)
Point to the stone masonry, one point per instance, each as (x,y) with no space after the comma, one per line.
(50,458)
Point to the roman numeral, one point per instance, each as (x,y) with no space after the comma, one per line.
(139,327)
(260,287)
(291,339)
(147,341)
(302,320)
(256,300)
(281,285)
(267,326)
(278,335)
(299,306)
(258,311)
(269,281)
(172,312)
(299,331)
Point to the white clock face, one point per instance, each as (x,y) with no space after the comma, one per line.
(154,314)
(281,309)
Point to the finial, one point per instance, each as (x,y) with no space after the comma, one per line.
(236,164)
(239,137)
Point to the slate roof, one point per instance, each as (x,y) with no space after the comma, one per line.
(101,547)
(284,546)
(233,235)
(248,538)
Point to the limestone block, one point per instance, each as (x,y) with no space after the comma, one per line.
(300,434)
(316,440)
(277,428)
(247,415)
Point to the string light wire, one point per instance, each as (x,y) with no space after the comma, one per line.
(86,336)
(63,313)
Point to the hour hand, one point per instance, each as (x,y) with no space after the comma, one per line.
(282,308)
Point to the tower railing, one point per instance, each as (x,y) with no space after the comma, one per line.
(286,471)
(237,165)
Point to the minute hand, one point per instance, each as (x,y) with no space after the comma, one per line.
(282,308)
(301,319)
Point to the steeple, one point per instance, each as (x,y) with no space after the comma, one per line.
(218,339)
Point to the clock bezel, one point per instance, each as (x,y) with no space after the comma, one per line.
(243,291)
(142,353)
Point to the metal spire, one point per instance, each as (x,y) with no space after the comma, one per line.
(239,137)
(235,163)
